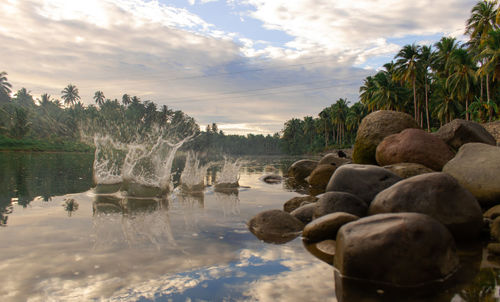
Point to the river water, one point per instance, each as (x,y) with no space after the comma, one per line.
(62,242)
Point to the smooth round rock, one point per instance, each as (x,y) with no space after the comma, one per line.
(275,226)
(332,202)
(374,128)
(296,202)
(492,212)
(320,176)
(333,159)
(459,132)
(304,213)
(406,170)
(302,168)
(326,227)
(364,181)
(414,146)
(438,195)
(405,249)
(477,167)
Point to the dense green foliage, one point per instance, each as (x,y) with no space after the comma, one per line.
(433,83)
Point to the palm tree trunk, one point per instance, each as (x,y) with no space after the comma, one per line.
(488,93)
(415,99)
(427,109)
(466,108)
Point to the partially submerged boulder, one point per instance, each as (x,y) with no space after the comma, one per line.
(364,181)
(374,128)
(272,178)
(404,250)
(333,159)
(326,227)
(320,176)
(477,167)
(406,170)
(296,202)
(304,213)
(302,168)
(332,202)
(414,146)
(459,132)
(438,195)
(275,226)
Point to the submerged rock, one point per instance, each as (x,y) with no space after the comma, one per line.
(477,167)
(459,132)
(374,128)
(333,160)
(304,213)
(275,226)
(364,181)
(296,202)
(332,202)
(414,146)
(406,170)
(302,168)
(326,227)
(404,250)
(272,179)
(438,195)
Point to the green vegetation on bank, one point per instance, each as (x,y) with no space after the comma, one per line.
(433,83)
(28,144)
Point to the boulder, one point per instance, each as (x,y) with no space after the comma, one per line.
(438,195)
(492,212)
(405,250)
(296,202)
(414,146)
(302,168)
(326,227)
(271,179)
(364,181)
(477,167)
(459,132)
(374,128)
(406,170)
(304,213)
(275,226)
(494,129)
(333,159)
(332,202)
(320,176)
(493,248)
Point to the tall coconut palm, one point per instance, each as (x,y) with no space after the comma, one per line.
(325,117)
(309,129)
(99,97)
(481,21)
(462,77)
(425,59)
(490,56)
(70,95)
(444,48)
(126,100)
(388,94)
(5,87)
(407,69)
(366,92)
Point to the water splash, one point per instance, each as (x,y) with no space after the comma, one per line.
(192,177)
(229,175)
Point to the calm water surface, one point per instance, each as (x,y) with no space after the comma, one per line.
(61,242)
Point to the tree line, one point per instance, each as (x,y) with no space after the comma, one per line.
(434,83)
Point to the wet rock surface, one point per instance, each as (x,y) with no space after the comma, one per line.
(302,168)
(364,181)
(332,202)
(275,226)
(438,195)
(459,132)
(304,213)
(320,176)
(296,202)
(326,227)
(406,170)
(405,249)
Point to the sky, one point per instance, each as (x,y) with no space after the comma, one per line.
(247,65)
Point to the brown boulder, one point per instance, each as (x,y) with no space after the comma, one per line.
(332,202)
(275,226)
(302,168)
(374,128)
(296,202)
(414,146)
(459,132)
(320,176)
(406,170)
(326,227)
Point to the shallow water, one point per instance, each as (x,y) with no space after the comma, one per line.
(181,248)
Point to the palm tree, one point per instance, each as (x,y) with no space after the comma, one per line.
(407,69)
(462,77)
(126,99)
(366,92)
(444,47)
(325,116)
(309,129)
(339,112)
(490,56)
(425,59)
(45,100)
(5,87)
(70,95)
(388,94)
(481,21)
(99,97)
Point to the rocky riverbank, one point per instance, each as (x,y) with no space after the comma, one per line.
(393,214)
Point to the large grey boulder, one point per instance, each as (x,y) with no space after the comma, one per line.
(459,132)
(302,168)
(364,181)
(477,167)
(332,202)
(374,128)
(326,227)
(414,146)
(438,195)
(275,226)
(405,249)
